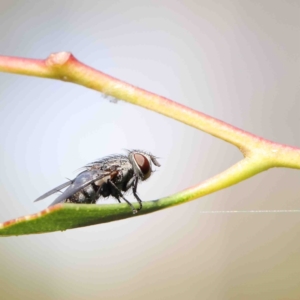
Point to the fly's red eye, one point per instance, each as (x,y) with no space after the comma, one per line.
(142,162)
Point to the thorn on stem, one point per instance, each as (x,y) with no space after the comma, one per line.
(58,59)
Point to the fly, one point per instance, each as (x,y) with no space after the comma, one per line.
(109,176)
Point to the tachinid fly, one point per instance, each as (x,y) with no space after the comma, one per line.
(106,177)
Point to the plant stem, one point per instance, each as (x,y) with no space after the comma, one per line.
(64,66)
(260,154)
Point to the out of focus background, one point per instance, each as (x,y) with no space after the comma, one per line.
(235,60)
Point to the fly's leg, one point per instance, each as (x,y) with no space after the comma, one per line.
(135,194)
(134,211)
(97,195)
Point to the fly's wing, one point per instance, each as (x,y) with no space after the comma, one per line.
(82,180)
(53,191)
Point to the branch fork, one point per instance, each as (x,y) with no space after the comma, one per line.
(259,154)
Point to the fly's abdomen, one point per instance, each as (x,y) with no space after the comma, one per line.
(86,195)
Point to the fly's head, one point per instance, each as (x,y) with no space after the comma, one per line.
(142,163)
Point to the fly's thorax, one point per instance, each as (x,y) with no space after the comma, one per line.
(125,173)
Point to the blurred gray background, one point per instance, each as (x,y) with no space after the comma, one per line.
(235,60)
